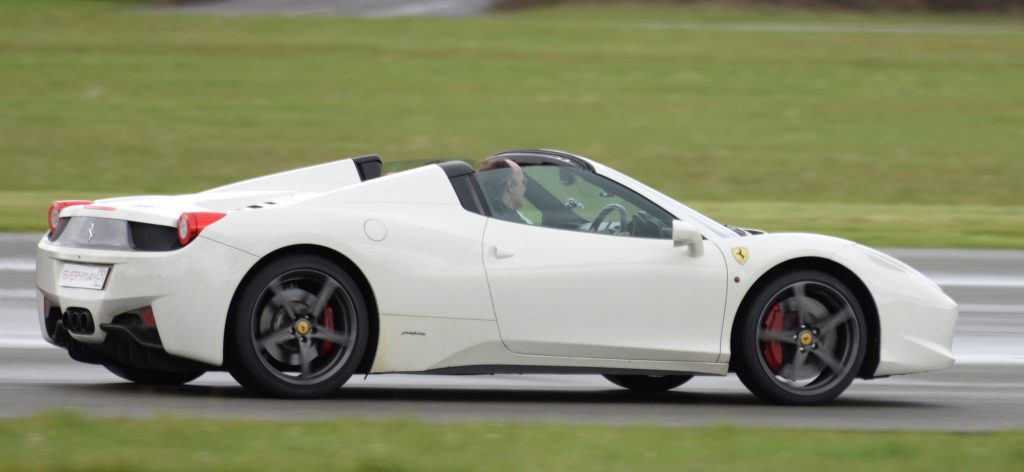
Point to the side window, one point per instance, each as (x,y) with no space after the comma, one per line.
(504,191)
(572,199)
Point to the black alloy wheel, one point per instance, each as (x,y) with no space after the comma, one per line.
(649,383)
(155,378)
(299,329)
(801,341)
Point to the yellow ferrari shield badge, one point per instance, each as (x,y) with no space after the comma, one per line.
(741,254)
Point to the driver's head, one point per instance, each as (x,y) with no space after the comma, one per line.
(504,180)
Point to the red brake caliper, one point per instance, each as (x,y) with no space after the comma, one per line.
(772,351)
(328,324)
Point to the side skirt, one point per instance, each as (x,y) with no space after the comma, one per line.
(533,369)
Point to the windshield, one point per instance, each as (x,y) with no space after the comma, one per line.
(678,209)
(573,199)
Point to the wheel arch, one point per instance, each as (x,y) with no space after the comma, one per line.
(847,277)
(334,256)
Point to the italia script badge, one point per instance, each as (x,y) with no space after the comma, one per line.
(92,231)
(741,254)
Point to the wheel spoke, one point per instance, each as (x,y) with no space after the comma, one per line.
(799,295)
(305,358)
(799,359)
(276,338)
(324,296)
(791,371)
(777,337)
(836,320)
(275,287)
(828,359)
(324,334)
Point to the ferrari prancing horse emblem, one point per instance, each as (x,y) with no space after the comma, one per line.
(741,254)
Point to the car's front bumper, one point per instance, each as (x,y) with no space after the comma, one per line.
(916,319)
(189,290)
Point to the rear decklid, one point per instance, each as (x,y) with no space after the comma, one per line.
(119,223)
(273,189)
(165,210)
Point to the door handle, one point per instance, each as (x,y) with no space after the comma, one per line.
(500,253)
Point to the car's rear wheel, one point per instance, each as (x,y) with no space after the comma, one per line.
(649,383)
(152,377)
(801,340)
(299,329)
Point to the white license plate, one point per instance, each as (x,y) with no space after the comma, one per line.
(83,276)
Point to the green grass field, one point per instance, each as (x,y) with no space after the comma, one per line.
(71,442)
(912,137)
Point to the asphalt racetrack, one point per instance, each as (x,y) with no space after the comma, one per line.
(984,391)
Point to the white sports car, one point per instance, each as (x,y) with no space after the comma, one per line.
(547,262)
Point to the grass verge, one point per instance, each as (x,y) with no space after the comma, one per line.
(199,444)
(882,225)
(708,104)
(874,225)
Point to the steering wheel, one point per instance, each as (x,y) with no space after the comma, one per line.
(604,214)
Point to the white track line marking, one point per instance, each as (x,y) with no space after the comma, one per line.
(992,281)
(17,294)
(980,308)
(33,342)
(17,265)
(982,359)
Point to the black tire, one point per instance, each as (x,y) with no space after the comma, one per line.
(152,377)
(278,345)
(801,340)
(649,383)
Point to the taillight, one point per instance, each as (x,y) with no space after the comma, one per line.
(191,224)
(147,317)
(57,206)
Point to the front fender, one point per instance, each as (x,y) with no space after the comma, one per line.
(762,254)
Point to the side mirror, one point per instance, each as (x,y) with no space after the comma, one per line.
(686,234)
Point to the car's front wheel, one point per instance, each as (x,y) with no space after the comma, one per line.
(649,383)
(152,377)
(299,329)
(801,340)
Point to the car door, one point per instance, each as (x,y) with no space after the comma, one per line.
(567,282)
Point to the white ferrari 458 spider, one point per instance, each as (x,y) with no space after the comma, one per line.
(539,261)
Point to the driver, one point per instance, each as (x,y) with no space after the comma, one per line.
(504,186)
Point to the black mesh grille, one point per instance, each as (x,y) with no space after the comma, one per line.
(147,237)
(120,235)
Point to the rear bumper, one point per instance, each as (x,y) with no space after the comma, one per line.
(189,290)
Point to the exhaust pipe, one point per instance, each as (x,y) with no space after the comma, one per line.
(78,321)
